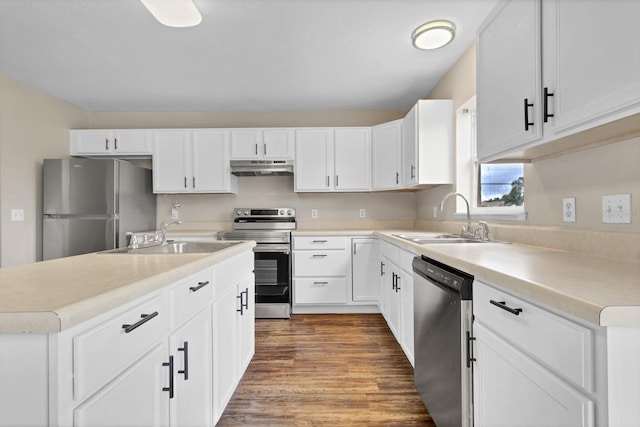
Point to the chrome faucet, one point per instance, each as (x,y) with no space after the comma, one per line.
(163,230)
(466,231)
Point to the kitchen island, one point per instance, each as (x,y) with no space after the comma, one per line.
(111,339)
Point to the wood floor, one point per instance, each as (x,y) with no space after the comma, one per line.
(326,370)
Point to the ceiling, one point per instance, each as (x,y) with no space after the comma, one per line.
(246,55)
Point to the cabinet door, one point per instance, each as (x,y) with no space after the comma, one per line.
(386,142)
(171,162)
(593,75)
(134,399)
(278,143)
(246,315)
(132,142)
(246,143)
(392,296)
(91,142)
(225,349)
(314,160)
(191,350)
(352,159)
(210,160)
(511,390)
(409,174)
(406,311)
(365,270)
(509,77)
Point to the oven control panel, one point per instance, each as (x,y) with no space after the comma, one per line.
(264,213)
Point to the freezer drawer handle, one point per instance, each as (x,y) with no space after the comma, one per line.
(503,306)
(144,319)
(200,286)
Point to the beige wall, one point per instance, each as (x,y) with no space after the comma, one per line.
(33,126)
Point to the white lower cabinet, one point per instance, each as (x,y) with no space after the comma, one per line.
(533,367)
(364,270)
(134,399)
(396,288)
(171,358)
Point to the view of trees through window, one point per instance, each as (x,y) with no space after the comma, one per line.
(501,184)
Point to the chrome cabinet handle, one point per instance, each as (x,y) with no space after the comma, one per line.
(185,352)
(397,178)
(256,149)
(336,181)
(397,282)
(185,182)
(244,304)
(327,180)
(106,144)
(382,272)
(264,149)
(502,305)
(144,319)
(318,255)
(193,182)
(319,241)
(413,171)
(200,286)
(115,143)
(320,283)
(170,389)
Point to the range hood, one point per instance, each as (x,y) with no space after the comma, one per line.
(261,167)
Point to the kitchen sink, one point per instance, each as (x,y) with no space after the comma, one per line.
(428,238)
(175,247)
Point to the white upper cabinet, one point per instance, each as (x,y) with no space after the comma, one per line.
(255,144)
(329,159)
(386,139)
(99,142)
(544,73)
(509,78)
(352,159)
(186,161)
(427,144)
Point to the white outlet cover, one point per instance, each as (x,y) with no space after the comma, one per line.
(569,209)
(363,213)
(314,213)
(17,214)
(616,209)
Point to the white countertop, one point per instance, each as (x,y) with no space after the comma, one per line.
(599,290)
(51,296)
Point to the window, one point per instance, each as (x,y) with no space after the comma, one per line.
(494,190)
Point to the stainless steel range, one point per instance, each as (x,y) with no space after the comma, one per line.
(271,229)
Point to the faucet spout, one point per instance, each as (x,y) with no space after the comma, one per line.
(467,230)
(163,229)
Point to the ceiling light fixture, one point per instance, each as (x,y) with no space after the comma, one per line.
(433,35)
(174,13)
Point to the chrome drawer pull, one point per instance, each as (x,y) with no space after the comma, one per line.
(503,306)
(320,283)
(200,286)
(145,319)
(319,241)
(318,255)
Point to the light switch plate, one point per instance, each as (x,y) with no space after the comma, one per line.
(569,209)
(616,209)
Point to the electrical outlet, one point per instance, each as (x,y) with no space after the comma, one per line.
(616,209)
(569,209)
(175,213)
(314,213)
(435,212)
(17,214)
(363,213)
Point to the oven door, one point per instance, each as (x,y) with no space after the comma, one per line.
(272,274)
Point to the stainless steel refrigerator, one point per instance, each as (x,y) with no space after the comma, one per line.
(90,204)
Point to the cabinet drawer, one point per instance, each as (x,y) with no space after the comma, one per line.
(320,263)
(101,353)
(320,291)
(320,242)
(190,296)
(563,346)
(390,251)
(406,260)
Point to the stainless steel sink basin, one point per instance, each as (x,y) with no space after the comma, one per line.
(427,238)
(175,247)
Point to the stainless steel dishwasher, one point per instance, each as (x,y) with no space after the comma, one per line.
(443,341)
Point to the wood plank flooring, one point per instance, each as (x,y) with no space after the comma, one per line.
(326,370)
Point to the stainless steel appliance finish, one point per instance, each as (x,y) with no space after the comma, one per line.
(443,341)
(261,167)
(271,229)
(90,204)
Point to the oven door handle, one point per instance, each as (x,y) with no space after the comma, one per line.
(284,249)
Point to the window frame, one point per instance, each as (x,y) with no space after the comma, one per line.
(467,171)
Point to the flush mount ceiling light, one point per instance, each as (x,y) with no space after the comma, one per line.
(433,35)
(174,13)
